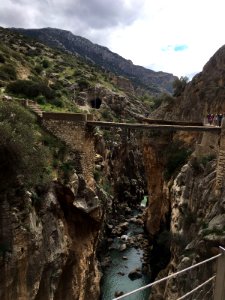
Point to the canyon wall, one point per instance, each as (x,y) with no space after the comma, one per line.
(196,223)
(49,236)
(48,246)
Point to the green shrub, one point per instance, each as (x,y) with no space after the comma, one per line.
(179,85)
(67,168)
(2,58)
(206,159)
(41,99)
(30,89)
(23,159)
(199,163)
(214,230)
(107,186)
(106,115)
(45,63)
(57,102)
(8,72)
(57,85)
(97,175)
(77,72)
(38,69)
(175,156)
(83,83)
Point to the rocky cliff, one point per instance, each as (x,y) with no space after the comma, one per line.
(47,246)
(196,226)
(186,212)
(205,93)
(155,82)
(49,229)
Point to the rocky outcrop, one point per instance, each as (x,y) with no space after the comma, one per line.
(204,94)
(47,246)
(111,104)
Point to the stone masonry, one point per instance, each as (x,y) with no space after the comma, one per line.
(74,134)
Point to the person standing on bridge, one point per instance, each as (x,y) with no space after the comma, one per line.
(220,118)
(210,118)
(215,120)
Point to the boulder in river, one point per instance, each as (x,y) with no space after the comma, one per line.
(124,237)
(123,247)
(135,274)
(117,293)
(121,273)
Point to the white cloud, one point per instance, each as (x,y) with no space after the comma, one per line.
(145,31)
(166,24)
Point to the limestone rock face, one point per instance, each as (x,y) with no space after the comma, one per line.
(196,230)
(123,83)
(47,248)
(192,212)
(204,94)
(158,204)
(119,103)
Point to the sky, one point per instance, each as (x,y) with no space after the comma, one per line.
(174,36)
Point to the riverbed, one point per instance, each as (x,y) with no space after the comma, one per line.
(115,277)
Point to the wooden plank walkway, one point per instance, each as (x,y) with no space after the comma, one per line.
(154,126)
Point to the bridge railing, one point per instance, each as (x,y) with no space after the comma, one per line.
(219,277)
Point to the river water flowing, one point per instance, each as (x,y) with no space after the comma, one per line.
(115,277)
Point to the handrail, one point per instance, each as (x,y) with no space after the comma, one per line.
(169,276)
(198,287)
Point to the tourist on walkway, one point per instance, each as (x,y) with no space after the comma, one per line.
(210,118)
(220,118)
(215,120)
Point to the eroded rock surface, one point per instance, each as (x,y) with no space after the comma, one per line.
(47,247)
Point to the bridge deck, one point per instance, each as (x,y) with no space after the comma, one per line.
(154,126)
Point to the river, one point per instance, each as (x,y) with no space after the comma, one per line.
(115,277)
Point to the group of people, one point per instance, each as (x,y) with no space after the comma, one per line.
(215,119)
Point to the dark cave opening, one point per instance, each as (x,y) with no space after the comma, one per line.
(96,103)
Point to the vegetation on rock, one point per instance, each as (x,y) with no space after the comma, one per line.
(23,158)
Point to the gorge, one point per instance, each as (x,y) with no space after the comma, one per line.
(71,192)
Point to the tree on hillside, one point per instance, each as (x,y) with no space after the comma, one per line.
(30,89)
(179,85)
(23,158)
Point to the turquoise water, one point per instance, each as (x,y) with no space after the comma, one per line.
(113,282)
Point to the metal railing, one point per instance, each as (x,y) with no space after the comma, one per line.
(219,291)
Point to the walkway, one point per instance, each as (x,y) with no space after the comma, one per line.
(161,126)
(151,123)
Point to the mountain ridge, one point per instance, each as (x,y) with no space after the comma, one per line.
(154,82)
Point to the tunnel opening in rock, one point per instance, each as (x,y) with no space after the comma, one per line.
(96,103)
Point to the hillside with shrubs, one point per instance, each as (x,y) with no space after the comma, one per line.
(60,81)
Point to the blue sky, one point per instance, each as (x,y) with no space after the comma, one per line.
(175,36)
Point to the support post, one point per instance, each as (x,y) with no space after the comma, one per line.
(219,293)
